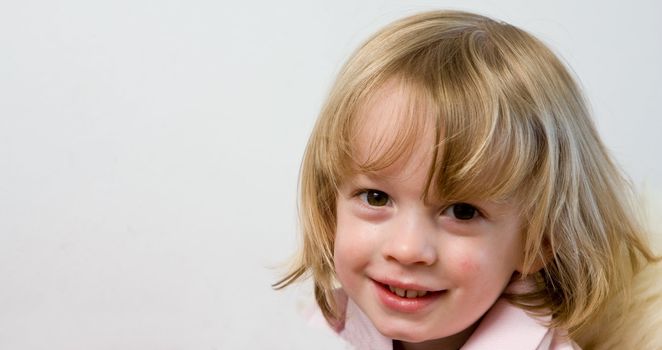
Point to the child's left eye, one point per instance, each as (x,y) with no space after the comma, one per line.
(462,211)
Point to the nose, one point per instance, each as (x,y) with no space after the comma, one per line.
(411,241)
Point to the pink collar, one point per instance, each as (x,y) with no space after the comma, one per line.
(505,326)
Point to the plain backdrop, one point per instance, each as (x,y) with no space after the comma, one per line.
(149,154)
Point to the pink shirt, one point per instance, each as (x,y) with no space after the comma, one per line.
(505,326)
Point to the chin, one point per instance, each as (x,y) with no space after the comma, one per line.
(410,340)
(406,334)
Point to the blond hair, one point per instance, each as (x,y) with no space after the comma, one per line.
(510,122)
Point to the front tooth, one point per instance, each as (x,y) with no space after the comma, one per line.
(400,292)
(411,294)
(422,293)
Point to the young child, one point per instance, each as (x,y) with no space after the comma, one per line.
(455,194)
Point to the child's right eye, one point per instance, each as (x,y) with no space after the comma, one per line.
(374,198)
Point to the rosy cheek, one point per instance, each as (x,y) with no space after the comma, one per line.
(462,264)
(468,266)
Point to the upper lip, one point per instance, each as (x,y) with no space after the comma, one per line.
(404,285)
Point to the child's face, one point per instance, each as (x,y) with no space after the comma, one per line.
(389,242)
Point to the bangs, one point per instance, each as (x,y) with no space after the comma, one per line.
(491,148)
(487,144)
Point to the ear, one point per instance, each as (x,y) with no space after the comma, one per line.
(540,260)
(537,265)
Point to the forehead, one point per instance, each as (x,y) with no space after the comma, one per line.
(394,127)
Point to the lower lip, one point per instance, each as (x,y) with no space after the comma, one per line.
(405,305)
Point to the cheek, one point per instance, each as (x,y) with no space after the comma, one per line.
(348,238)
(468,265)
(354,235)
(347,256)
(479,271)
(463,265)
(460,256)
(351,256)
(353,245)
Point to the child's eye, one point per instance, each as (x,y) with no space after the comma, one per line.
(374,198)
(461,211)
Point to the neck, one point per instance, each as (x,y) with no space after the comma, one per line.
(452,342)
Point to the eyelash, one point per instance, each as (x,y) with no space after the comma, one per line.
(451,210)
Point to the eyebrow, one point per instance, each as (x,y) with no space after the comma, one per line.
(374,176)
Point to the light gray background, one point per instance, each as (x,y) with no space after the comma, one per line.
(149,153)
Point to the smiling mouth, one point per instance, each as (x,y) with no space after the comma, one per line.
(406,298)
(407,293)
